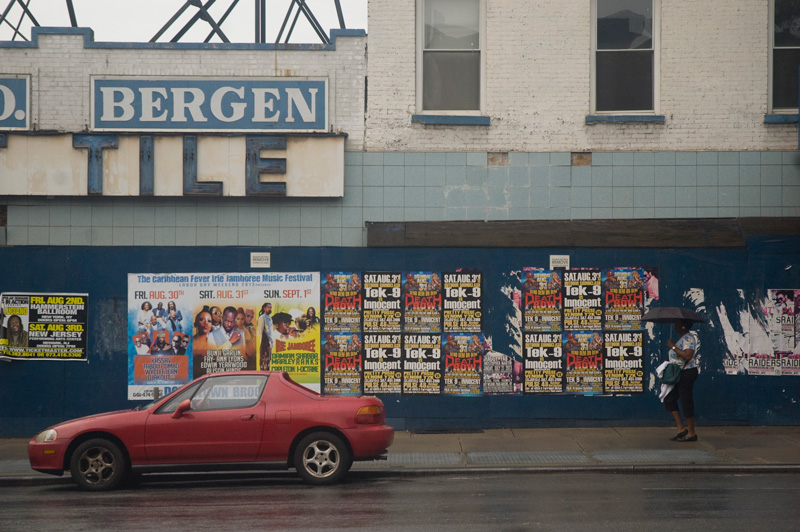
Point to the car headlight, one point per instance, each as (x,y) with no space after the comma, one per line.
(46,435)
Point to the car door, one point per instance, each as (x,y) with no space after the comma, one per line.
(224,423)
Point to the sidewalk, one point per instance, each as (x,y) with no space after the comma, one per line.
(627,449)
(622,449)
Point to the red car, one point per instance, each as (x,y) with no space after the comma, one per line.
(238,420)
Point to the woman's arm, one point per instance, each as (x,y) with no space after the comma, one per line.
(685,354)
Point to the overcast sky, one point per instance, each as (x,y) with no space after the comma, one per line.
(140,20)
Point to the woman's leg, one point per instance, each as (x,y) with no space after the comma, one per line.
(671,406)
(686,385)
(678,421)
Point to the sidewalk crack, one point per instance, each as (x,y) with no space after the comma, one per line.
(461,452)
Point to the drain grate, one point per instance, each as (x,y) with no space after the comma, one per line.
(12,466)
(399,460)
(672,456)
(447,431)
(414,459)
(526,457)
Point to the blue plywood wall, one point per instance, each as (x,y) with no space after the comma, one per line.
(35,394)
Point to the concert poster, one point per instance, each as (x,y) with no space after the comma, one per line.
(623,295)
(383,363)
(422,302)
(584,361)
(383,311)
(542,300)
(463,302)
(342,363)
(623,362)
(463,363)
(342,300)
(422,364)
(583,302)
(544,363)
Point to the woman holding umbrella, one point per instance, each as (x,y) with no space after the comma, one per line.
(683,352)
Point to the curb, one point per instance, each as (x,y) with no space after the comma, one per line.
(419,472)
(613,469)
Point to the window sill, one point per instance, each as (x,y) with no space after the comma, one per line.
(780,119)
(621,119)
(452,120)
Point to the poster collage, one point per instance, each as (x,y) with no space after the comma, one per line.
(582,329)
(183,326)
(403,333)
(777,352)
(334,332)
(37,326)
(413,333)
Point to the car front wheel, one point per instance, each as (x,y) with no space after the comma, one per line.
(322,458)
(98,465)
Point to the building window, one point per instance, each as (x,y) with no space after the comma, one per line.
(449,56)
(625,62)
(785,54)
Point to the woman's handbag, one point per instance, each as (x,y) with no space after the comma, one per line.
(671,374)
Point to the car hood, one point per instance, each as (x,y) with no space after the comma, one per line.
(93,421)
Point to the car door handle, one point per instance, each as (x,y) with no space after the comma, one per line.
(248,417)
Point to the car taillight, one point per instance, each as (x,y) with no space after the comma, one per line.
(369,415)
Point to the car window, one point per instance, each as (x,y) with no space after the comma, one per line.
(170,406)
(229,391)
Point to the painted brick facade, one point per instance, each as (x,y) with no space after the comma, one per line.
(712,157)
(61,66)
(713,81)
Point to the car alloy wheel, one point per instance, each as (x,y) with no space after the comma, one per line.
(98,465)
(322,458)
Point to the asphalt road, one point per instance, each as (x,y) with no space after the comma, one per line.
(443,502)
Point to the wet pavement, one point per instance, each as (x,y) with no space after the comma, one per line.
(623,449)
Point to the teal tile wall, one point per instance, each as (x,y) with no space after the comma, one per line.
(431,187)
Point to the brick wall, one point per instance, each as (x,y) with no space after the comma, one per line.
(61,67)
(713,81)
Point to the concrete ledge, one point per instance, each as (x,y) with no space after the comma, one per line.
(639,233)
(623,119)
(451,120)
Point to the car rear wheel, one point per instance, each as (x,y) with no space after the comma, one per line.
(98,465)
(322,458)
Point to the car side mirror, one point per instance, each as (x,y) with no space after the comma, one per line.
(183,407)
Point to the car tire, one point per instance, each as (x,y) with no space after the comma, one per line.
(98,465)
(322,458)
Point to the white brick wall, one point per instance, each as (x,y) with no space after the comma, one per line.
(714,81)
(61,69)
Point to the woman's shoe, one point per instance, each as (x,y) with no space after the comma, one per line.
(691,438)
(680,435)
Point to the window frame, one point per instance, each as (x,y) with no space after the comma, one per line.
(656,48)
(420,42)
(772,110)
(197,388)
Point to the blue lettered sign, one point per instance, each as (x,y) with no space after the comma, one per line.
(219,105)
(14,103)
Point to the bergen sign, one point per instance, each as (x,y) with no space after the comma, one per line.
(224,105)
(14,108)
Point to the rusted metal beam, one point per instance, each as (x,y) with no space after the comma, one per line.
(73,20)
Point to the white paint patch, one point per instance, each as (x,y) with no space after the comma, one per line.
(697,297)
(736,343)
(514,319)
(752,336)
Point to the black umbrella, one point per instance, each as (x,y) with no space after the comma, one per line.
(672,315)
